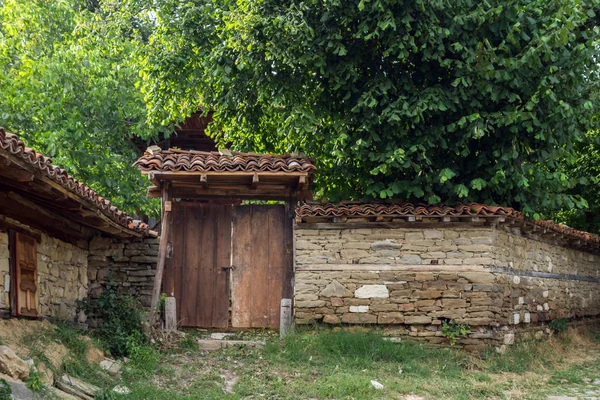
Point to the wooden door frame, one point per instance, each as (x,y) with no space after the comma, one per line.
(12,257)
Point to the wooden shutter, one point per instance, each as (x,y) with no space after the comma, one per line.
(24,291)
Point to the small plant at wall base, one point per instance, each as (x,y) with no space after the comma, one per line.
(120,317)
(35,380)
(452,331)
(559,326)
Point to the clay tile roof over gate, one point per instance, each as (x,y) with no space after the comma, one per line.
(317,210)
(201,161)
(15,147)
(354,209)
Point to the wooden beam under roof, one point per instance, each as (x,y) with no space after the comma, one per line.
(41,180)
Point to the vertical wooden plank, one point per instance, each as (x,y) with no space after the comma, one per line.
(275,263)
(222,259)
(261,239)
(192,260)
(178,258)
(162,251)
(289,250)
(170,314)
(205,260)
(242,259)
(13,274)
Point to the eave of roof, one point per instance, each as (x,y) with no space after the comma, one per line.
(473,213)
(14,151)
(174,160)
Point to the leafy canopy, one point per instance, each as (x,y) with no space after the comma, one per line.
(421,100)
(68,88)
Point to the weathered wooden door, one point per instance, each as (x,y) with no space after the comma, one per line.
(195,275)
(261,255)
(25,289)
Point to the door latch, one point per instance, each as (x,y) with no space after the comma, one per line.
(228,267)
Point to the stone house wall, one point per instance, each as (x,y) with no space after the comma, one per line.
(129,264)
(62,276)
(412,280)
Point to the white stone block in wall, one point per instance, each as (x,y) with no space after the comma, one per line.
(372,291)
(545,293)
(527,318)
(516,280)
(7,282)
(521,300)
(546,306)
(539,307)
(516,318)
(509,338)
(359,309)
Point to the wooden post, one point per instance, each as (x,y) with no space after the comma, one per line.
(170,314)
(162,249)
(285,317)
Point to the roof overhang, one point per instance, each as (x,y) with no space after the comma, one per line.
(44,197)
(227,175)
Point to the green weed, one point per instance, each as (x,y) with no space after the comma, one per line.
(5,391)
(35,380)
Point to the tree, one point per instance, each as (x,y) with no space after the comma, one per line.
(68,87)
(423,100)
(586,171)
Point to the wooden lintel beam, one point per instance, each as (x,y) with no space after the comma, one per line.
(254,183)
(5,225)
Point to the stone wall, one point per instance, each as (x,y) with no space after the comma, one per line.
(411,281)
(62,276)
(130,264)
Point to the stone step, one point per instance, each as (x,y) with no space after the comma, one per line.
(212,345)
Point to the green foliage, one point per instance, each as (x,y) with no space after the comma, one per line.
(585,172)
(121,318)
(35,380)
(144,358)
(559,326)
(421,100)
(68,88)
(5,391)
(453,331)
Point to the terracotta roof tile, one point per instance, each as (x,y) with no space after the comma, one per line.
(43,164)
(403,209)
(355,209)
(201,161)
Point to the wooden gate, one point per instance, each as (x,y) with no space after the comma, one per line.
(263,266)
(257,264)
(201,247)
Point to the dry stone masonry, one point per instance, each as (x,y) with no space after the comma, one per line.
(62,276)
(130,264)
(412,280)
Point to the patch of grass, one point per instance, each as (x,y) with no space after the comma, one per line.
(71,337)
